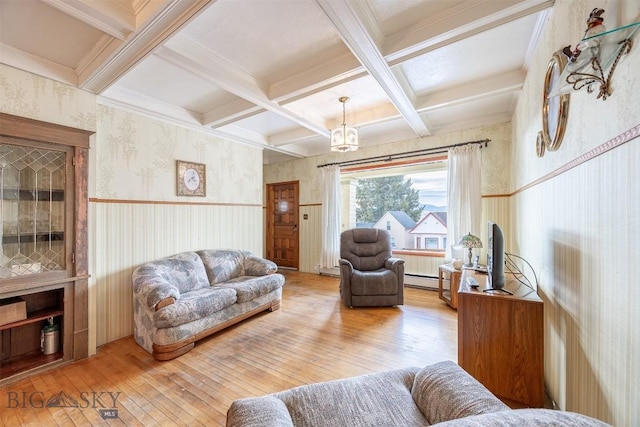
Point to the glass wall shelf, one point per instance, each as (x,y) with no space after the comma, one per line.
(599,53)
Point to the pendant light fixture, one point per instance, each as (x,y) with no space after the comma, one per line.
(344,138)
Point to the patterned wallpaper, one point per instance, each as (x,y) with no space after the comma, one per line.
(135,160)
(579,228)
(29,95)
(135,214)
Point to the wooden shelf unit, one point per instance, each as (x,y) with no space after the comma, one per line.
(20,345)
(501,339)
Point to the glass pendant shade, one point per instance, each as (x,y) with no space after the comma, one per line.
(344,138)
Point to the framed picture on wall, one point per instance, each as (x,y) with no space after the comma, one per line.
(190,178)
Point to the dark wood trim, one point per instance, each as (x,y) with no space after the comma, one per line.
(392,164)
(169,202)
(24,128)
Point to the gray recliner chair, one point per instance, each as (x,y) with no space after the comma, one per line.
(369,276)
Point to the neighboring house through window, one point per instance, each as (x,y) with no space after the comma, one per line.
(428,179)
(432,230)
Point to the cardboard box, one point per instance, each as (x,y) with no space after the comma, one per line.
(12,310)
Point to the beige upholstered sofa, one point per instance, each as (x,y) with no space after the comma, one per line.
(442,394)
(185,297)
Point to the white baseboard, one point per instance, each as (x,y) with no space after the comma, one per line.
(335,271)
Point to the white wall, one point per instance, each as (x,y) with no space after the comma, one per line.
(575,216)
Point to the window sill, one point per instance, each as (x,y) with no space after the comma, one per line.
(415,252)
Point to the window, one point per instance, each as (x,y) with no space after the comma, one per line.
(431,243)
(403,194)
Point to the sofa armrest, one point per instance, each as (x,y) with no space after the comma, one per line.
(444,391)
(160,293)
(151,289)
(259,412)
(346,270)
(396,265)
(393,262)
(258,266)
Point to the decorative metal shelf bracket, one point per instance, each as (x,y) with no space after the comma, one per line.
(596,64)
(578,80)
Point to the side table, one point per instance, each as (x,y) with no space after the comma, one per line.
(448,283)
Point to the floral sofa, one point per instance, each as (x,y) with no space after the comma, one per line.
(185,297)
(442,394)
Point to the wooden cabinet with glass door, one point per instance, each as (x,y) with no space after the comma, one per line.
(43,263)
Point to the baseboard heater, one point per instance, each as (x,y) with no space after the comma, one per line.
(421,281)
(413,280)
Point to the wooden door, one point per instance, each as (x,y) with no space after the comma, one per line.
(282,224)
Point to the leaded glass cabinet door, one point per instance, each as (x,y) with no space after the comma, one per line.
(33,208)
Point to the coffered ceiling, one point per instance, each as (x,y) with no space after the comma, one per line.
(269,72)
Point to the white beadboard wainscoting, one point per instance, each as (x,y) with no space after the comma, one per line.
(125,235)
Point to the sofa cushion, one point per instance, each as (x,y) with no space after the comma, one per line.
(194,305)
(378,282)
(444,391)
(223,264)
(379,399)
(526,417)
(251,287)
(185,271)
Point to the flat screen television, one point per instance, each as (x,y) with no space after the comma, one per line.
(495,256)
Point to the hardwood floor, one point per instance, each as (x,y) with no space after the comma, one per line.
(312,338)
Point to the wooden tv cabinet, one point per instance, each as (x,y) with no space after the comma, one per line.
(501,338)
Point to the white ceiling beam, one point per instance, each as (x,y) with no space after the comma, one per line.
(150,107)
(230,112)
(114,61)
(404,45)
(465,20)
(37,65)
(357,37)
(493,86)
(105,16)
(184,52)
(373,114)
(487,120)
(338,70)
(291,136)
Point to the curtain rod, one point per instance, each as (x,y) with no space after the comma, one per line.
(406,154)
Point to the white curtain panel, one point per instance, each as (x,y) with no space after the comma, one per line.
(464,208)
(330,216)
